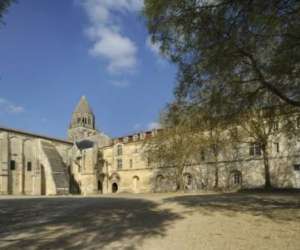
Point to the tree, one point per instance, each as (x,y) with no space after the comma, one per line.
(172,147)
(4,4)
(260,129)
(186,138)
(247,48)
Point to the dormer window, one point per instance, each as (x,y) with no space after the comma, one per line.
(135,137)
(154,132)
(142,136)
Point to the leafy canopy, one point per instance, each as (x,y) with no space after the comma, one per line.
(244,48)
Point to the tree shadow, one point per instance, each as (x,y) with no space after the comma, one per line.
(81,223)
(277,207)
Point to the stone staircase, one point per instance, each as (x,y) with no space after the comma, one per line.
(58,168)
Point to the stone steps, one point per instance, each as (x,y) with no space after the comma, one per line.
(58,168)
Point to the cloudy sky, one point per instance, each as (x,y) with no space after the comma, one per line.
(52,52)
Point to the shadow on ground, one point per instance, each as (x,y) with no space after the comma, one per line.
(80,223)
(278,206)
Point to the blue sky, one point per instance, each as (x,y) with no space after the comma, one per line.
(52,52)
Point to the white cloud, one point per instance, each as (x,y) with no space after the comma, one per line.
(105,32)
(154,125)
(119,83)
(155,48)
(137,126)
(9,107)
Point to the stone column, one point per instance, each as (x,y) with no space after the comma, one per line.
(4,163)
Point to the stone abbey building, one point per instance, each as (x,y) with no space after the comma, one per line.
(90,162)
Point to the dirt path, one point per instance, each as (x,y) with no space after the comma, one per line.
(159,221)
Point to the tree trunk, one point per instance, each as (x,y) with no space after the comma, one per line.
(216,185)
(179,179)
(266,166)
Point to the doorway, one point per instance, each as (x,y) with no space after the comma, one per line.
(114,187)
(135,184)
(100,187)
(43,181)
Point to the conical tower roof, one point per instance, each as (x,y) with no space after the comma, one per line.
(83,106)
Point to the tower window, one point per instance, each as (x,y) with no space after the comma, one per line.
(12,165)
(78,120)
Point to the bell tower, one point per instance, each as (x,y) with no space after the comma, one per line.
(83,121)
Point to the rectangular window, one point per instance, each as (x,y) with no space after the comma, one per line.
(202,155)
(297,167)
(130,163)
(277,149)
(148,161)
(12,165)
(119,163)
(255,149)
(275,126)
(234,132)
(298,122)
(29,166)
(119,150)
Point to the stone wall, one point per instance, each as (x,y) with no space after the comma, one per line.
(22,162)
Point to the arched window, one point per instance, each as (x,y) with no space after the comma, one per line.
(188,179)
(159,180)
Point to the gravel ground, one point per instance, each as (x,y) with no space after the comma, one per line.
(152,221)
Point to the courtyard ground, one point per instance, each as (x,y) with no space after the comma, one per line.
(152,221)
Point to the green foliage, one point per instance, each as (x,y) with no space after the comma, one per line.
(4,4)
(246,48)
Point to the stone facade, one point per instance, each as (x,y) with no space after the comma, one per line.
(32,164)
(90,162)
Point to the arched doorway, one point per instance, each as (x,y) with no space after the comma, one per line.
(100,186)
(188,181)
(43,181)
(114,187)
(135,184)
